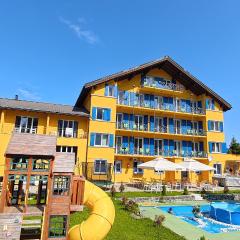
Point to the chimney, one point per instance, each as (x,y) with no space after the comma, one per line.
(16,97)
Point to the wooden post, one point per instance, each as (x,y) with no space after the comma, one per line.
(47,125)
(29,170)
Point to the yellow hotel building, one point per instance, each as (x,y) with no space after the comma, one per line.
(155,109)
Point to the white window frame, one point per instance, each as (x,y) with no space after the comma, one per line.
(118,145)
(24,128)
(101,162)
(138,145)
(159,151)
(101,136)
(159,101)
(116,162)
(63,129)
(157,126)
(100,109)
(176,129)
(216,147)
(111,89)
(210,104)
(178,147)
(118,122)
(137,121)
(215,165)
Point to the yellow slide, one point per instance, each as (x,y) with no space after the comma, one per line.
(101,219)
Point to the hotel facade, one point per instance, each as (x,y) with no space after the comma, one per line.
(157,109)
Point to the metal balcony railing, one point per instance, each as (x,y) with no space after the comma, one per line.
(66,133)
(158,152)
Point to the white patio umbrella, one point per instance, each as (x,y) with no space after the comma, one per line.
(193,165)
(161,164)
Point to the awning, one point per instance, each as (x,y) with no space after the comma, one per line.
(161,164)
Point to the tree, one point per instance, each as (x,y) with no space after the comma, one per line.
(234,147)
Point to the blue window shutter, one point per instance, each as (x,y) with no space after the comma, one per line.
(171,147)
(200,125)
(110,140)
(152,123)
(152,101)
(199,104)
(171,125)
(132,97)
(151,146)
(115,91)
(209,125)
(201,146)
(171,105)
(165,147)
(213,105)
(107,114)
(126,98)
(210,146)
(207,103)
(146,145)
(126,119)
(131,143)
(184,148)
(147,100)
(221,126)
(146,122)
(92,139)
(131,120)
(94,113)
(125,142)
(188,105)
(224,147)
(165,122)
(106,90)
(184,126)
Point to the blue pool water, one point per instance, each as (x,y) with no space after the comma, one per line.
(205,223)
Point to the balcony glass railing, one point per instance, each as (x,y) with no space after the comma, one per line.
(166,107)
(160,129)
(146,152)
(161,83)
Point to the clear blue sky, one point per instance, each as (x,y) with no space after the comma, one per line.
(49,49)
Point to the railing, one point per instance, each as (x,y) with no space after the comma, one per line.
(160,129)
(166,107)
(146,152)
(10,129)
(152,82)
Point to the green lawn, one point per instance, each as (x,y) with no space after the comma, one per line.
(127,228)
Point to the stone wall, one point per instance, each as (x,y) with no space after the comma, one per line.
(179,198)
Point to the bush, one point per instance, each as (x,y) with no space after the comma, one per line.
(159,219)
(121,188)
(203,191)
(164,190)
(132,207)
(124,200)
(202,238)
(226,189)
(185,191)
(113,191)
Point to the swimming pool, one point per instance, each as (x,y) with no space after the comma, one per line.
(204,222)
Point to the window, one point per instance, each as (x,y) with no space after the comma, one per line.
(119,120)
(19,163)
(218,168)
(57,226)
(41,164)
(110,90)
(137,170)
(101,140)
(138,146)
(138,123)
(177,148)
(67,128)
(210,104)
(121,97)
(215,126)
(26,124)
(118,166)
(100,166)
(102,114)
(158,125)
(196,146)
(158,102)
(67,149)
(61,185)
(158,147)
(216,147)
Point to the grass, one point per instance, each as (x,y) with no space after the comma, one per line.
(127,228)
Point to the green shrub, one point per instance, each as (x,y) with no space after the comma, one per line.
(164,190)
(203,191)
(185,191)
(113,191)
(159,219)
(124,200)
(226,189)
(121,188)
(202,238)
(132,207)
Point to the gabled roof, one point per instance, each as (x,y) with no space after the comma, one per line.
(6,103)
(168,65)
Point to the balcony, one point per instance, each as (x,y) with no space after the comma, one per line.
(64,132)
(160,130)
(159,83)
(161,107)
(141,152)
